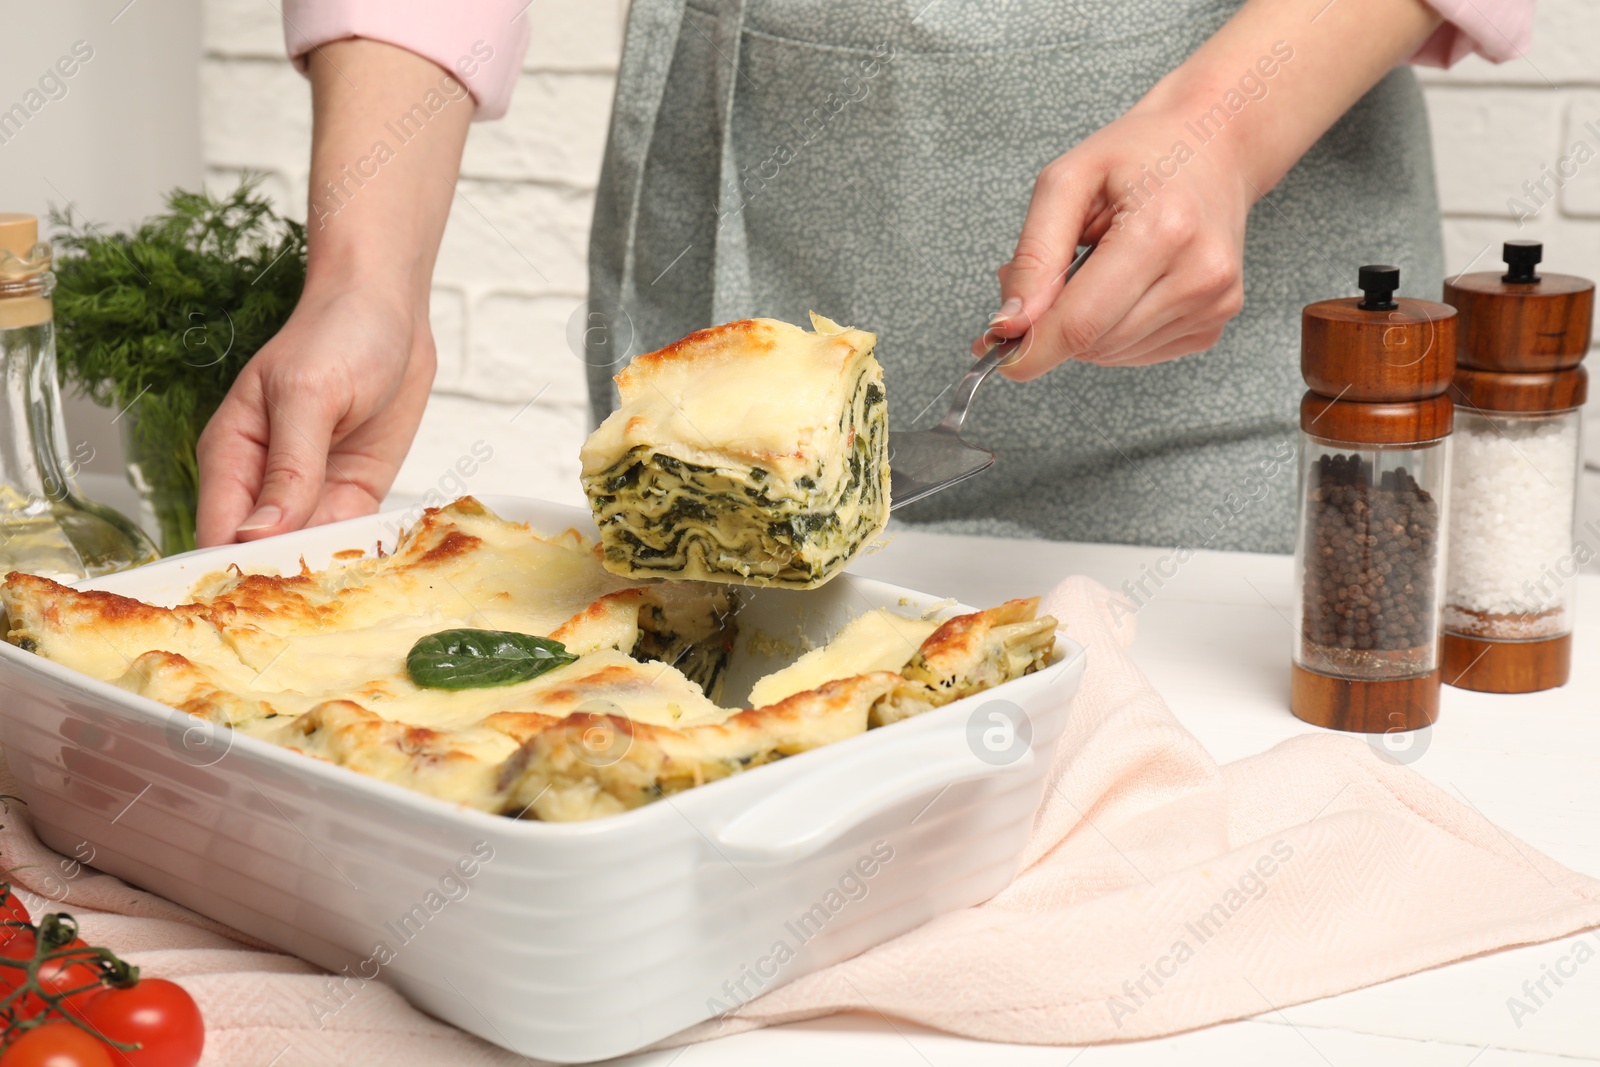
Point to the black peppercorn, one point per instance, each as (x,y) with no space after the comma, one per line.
(1372,541)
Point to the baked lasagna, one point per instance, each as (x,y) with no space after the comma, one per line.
(753,453)
(320,662)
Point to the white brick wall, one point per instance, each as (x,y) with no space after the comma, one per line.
(511,272)
(1498,127)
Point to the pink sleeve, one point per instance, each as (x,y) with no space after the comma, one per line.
(1497,30)
(481,42)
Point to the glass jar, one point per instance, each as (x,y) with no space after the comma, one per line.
(1518,388)
(46,526)
(1514,496)
(1369,559)
(1374,470)
(159,445)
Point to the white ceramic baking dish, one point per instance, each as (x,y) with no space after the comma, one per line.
(567,942)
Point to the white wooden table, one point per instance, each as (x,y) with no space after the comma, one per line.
(1215,642)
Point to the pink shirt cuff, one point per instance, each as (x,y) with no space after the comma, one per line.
(480,42)
(1497,30)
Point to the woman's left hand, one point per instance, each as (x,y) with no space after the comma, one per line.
(1167,273)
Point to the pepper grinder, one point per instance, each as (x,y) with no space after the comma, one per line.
(1373,475)
(1514,482)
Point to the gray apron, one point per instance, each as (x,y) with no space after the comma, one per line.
(873,159)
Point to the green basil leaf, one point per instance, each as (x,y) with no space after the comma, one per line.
(478,659)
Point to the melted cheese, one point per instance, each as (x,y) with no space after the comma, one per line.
(877,641)
(759,392)
(274,655)
(316,662)
(435,573)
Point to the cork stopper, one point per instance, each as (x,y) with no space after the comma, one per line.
(24,301)
(1376,348)
(18,233)
(1520,320)
(21,255)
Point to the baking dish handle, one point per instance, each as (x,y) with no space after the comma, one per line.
(815,809)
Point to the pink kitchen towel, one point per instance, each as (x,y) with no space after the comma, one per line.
(1159,892)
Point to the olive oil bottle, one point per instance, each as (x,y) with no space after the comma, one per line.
(46,526)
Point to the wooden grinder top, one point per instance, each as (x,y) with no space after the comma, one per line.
(1521,321)
(1377,366)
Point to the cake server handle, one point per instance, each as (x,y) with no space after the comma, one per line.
(817,808)
(998,355)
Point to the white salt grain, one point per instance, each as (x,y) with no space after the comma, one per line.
(1512,492)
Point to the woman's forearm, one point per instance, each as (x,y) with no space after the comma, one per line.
(1280,72)
(388,130)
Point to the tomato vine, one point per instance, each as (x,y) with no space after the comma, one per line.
(57,992)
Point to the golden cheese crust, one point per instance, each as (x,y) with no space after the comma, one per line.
(753,392)
(593,764)
(971,653)
(315,661)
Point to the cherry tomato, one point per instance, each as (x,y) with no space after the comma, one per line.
(21,948)
(57,1044)
(158,1015)
(11,908)
(9,934)
(18,947)
(60,976)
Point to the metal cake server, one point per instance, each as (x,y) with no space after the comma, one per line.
(922,462)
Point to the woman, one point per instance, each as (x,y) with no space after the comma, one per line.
(875,160)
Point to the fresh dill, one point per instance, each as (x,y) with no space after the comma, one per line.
(157,323)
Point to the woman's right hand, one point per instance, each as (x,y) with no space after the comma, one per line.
(1167,188)
(319,420)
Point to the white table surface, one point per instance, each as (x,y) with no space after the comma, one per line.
(1215,643)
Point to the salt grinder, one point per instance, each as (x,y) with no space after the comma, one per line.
(1514,484)
(1373,469)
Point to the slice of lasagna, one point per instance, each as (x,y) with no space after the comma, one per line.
(755,452)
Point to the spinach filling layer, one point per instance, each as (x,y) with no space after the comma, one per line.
(664,515)
(694,634)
